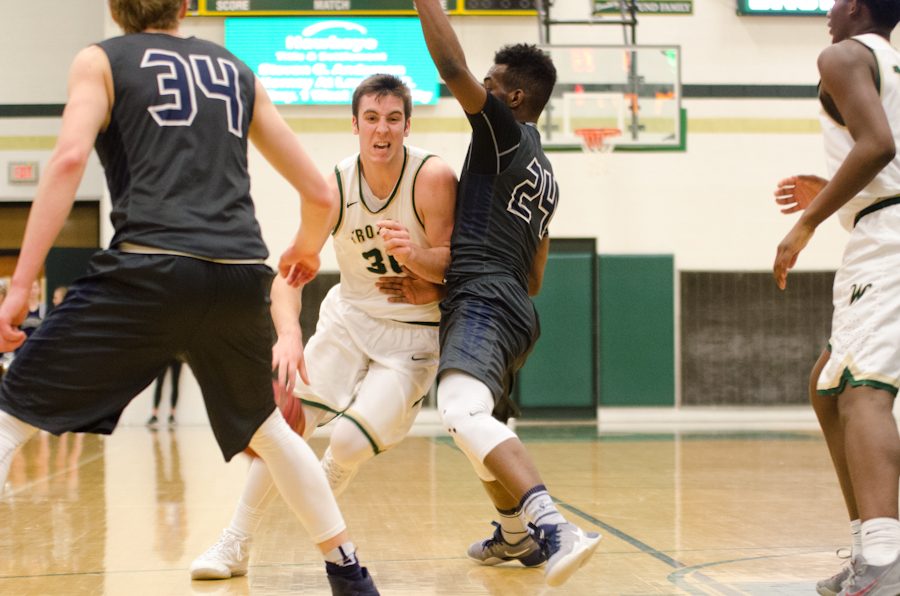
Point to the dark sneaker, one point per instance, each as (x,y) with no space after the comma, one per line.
(171,421)
(567,548)
(495,550)
(870,580)
(362,585)
(153,423)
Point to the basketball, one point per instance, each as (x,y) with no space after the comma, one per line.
(292,410)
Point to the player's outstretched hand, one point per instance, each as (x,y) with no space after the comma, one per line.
(795,193)
(287,361)
(298,268)
(788,251)
(409,290)
(12,312)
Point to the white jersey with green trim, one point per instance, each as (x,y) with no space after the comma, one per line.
(359,248)
(838,141)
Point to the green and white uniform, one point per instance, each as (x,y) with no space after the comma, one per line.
(865,331)
(371,359)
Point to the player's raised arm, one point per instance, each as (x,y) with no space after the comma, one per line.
(448,56)
(318,209)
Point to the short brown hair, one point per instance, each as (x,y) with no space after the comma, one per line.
(134,16)
(381,85)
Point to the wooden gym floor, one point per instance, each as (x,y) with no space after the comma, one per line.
(704,513)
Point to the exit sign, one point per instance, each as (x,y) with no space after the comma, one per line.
(23,172)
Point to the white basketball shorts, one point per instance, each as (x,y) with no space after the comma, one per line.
(865,327)
(373,371)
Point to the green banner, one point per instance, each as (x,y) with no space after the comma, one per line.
(679,7)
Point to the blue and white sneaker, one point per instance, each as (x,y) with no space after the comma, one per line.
(567,547)
(495,550)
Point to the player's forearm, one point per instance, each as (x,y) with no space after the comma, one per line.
(49,211)
(859,168)
(285,309)
(315,224)
(441,39)
(429,264)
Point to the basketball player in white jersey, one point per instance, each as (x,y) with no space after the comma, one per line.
(374,354)
(855,381)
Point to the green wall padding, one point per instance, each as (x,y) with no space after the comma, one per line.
(637,330)
(559,372)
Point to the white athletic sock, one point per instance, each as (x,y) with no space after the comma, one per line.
(537,507)
(13,433)
(880,540)
(259,492)
(511,526)
(343,555)
(299,478)
(855,538)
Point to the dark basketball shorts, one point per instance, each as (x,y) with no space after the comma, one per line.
(124,321)
(488,328)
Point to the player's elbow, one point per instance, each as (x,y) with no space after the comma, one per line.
(318,195)
(887,152)
(69,159)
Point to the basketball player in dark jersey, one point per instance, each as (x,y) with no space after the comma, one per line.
(506,198)
(185,274)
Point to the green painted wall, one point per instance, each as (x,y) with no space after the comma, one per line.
(559,377)
(637,330)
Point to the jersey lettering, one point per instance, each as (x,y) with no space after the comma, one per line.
(376,262)
(223,87)
(178,82)
(537,193)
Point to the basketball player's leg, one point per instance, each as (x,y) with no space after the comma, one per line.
(510,476)
(826,409)
(241,409)
(219,561)
(384,409)
(61,380)
(13,434)
(872,448)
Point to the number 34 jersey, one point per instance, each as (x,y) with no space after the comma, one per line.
(175,149)
(359,248)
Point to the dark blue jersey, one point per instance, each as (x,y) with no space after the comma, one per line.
(506,198)
(175,150)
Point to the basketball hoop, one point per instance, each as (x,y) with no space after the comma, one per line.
(596,140)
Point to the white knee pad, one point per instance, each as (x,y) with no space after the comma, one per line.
(349,446)
(465,404)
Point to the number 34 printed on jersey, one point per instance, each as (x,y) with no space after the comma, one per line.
(178,84)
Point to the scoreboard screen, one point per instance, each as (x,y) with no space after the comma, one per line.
(319,60)
(233,8)
(784,7)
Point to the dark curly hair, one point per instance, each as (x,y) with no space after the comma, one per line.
(529,68)
(885,13)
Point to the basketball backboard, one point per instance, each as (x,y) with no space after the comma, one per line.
(635,88)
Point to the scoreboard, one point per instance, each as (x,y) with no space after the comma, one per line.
(233,8)
(784,7)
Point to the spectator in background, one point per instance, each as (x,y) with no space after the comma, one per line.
(175,367)
(59,295)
